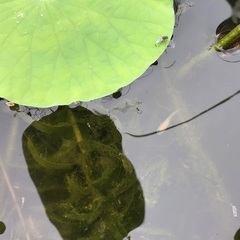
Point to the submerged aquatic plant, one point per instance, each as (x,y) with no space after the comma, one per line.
(2,227)
(87,185)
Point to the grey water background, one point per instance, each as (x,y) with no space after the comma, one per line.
(190,174)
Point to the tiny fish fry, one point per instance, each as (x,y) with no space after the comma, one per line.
(166,122)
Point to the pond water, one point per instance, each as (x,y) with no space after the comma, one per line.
(188,175)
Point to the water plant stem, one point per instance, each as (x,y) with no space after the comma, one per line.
(76,129)
(228,39)
(14,198)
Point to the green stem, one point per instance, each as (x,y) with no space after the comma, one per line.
(223,43)
(84,153)
(76,129)
(228,39)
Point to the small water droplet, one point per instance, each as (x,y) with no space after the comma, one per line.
(41,14)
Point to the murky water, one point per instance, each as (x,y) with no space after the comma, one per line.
(189,175)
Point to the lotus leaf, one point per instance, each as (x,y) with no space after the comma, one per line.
(54,52)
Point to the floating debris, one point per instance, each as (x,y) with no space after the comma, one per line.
(23,201)
(234,210)
(183,7)
(10,104)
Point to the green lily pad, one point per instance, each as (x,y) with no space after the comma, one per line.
(54,52)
